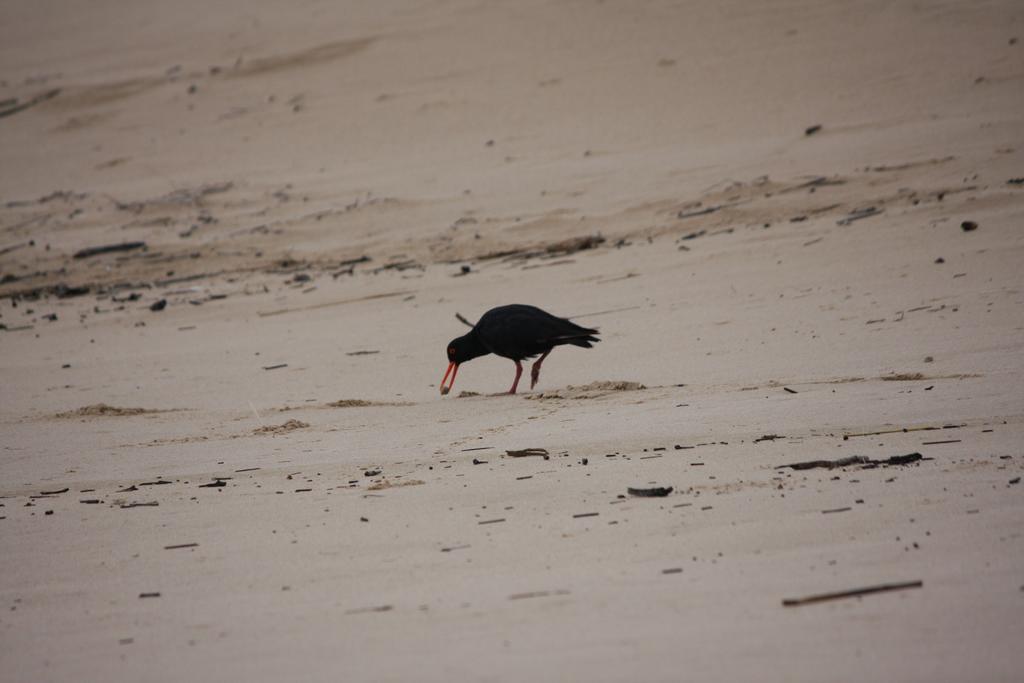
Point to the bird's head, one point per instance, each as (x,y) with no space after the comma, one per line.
(459,351)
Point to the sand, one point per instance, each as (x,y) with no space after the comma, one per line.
(797,226)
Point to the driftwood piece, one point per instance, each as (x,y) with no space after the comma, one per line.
(527,452)
(655,492)
(853,460)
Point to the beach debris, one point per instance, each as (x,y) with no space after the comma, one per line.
(580,515)
(828,464)
(455,547)
(53,493)
(854,593)
(537,594)
(151,504)
(361,353)
(65,291)
(790,391)
(573,244)
(215,484)
(560,248)
(188,196)
(937,443)
(386,484)
(159,305)
(654,492)
(108,248)
(492,521)
(129,489)
(275,367)
(366,610)
(903,377)
(91,501)
(103,410)
(853,460)
(769,437)
(899,459)
(371,473)
(12,106)
(811,130)
(528,452)
(360,403)
(672,570)
(399,266)
(289,426)
(693,213)
(901,430)
(154,594)
(179,546)
(968,226)
(858,214)
(479,462)
(833,510)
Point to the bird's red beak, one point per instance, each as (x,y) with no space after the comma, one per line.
(453,369)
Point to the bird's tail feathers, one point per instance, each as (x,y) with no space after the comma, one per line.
(583,339)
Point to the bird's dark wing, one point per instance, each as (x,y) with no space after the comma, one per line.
(518,331)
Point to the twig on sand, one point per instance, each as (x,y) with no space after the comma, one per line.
(107,248)
(854,593)
(902,429)
(463,320)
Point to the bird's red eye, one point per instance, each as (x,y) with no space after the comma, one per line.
(451,351)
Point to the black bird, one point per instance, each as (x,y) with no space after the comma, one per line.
(516,332)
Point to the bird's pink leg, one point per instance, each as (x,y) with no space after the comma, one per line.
(519,371)
(535,370)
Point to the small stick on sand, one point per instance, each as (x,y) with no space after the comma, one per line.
(856,592)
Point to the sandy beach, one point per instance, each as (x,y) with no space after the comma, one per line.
(234,239)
